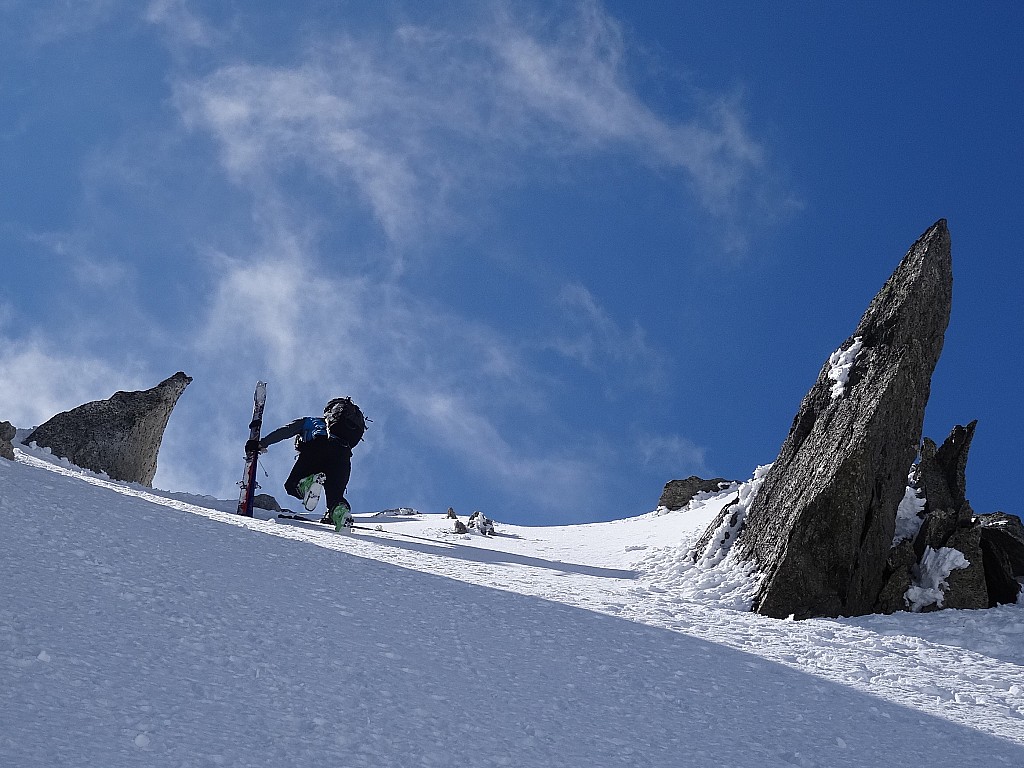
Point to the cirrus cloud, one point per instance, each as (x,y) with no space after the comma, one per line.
(422,122)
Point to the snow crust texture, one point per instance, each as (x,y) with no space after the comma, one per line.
(143,628)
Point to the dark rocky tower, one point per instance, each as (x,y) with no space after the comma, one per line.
(821,527)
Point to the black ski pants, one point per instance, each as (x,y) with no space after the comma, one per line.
(327,455)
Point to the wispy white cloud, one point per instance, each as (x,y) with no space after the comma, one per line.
(424,118)
(269,120)
(463,428)
(182,25)
(577,80)
(39,379)
(673,454)
(91,271)
(48,22)
(594,340)
(356,334)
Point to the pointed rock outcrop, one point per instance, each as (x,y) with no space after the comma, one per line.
(821,528)
(120,436)
(7,433)
(940,476)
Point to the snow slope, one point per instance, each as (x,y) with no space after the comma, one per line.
(139,628)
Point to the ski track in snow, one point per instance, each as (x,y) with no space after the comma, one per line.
(170,639)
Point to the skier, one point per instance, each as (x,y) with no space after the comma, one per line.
(325,447)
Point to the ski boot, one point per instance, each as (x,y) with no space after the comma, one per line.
(341,516)
(311,487)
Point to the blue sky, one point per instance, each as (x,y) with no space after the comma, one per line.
(561,253)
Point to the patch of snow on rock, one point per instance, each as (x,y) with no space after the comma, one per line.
(908,516)
(841,362)
(930,576)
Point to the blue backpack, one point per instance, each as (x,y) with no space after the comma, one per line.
(312,428)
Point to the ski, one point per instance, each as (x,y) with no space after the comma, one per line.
(298,517)
(289,515)
(248,483)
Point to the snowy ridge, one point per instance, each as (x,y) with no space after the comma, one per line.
(239,641)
